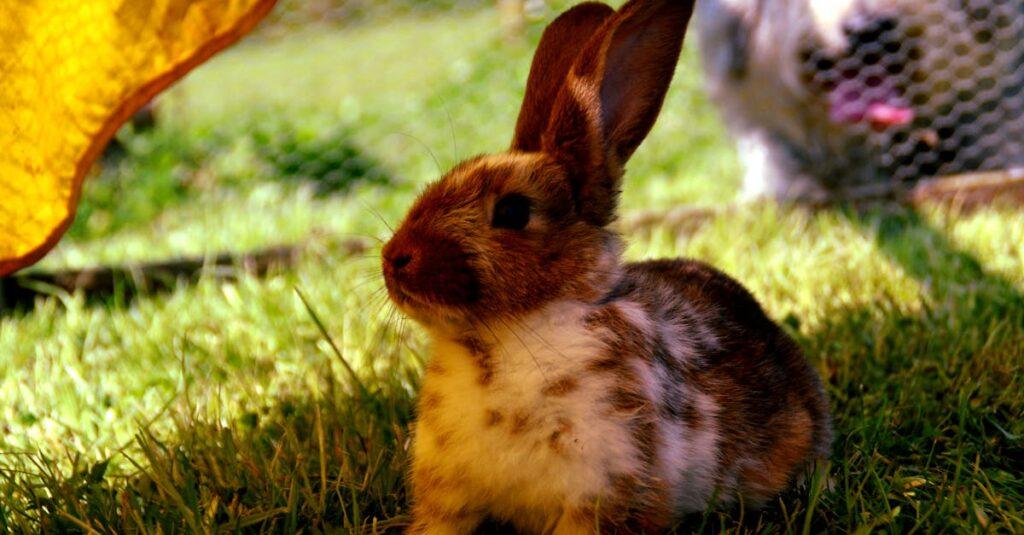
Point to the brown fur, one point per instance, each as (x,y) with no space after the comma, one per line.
(493,418)
(773,408)
(559,434)
(556,54)
(509,271)
(636,502)
(442,439)
(784,458)
(435,368)
(561,387)
(429,401)
(520,422)
(482,357)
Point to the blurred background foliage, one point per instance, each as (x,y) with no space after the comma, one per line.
(332,95)
(290,14)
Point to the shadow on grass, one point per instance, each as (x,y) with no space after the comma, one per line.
(119,285)
(929,401)
(927,254)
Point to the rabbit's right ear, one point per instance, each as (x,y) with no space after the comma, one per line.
(559,46)
(611,98)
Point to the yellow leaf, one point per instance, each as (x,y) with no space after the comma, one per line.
(71,72)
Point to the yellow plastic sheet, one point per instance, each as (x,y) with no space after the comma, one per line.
(71,72)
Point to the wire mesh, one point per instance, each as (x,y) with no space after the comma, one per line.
(885,91)
(956,69)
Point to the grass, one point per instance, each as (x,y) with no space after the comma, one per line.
(229,406)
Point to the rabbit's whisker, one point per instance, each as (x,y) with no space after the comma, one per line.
(378,216)
(525,326)
(451,127)
(433,156)
(526,347)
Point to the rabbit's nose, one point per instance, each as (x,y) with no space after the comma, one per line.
(398,256)
(399,261)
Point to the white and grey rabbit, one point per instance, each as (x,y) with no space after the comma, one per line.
(568,390)
(828,98)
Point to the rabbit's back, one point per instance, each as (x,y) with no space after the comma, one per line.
(772,415)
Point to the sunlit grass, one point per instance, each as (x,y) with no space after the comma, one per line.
(222,406)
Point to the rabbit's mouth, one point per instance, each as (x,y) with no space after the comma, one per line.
(401,298)
(427,311)
(415,307)
(408,299)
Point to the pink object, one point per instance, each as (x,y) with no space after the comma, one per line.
(881,114)
(852,102)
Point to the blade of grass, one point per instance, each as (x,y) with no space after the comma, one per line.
(363,391)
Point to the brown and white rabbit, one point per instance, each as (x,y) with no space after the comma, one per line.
(567,390)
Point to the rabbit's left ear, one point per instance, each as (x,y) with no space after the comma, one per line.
(611,98)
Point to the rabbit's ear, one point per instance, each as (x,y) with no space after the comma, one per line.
(559,46)
(611,98)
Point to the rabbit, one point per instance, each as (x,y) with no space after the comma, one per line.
(568,391)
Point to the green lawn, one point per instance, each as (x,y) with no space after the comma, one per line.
(222,406)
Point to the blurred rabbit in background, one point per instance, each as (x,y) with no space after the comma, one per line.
(826,97)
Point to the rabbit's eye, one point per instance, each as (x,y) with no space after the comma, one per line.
(512,212)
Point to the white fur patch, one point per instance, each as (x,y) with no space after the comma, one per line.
(694,456)
(512,461)
(523,453)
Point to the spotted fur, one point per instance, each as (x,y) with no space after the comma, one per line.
(567,390)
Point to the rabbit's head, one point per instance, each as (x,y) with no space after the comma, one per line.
(502,235)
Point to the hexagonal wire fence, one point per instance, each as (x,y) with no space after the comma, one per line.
(946,76)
